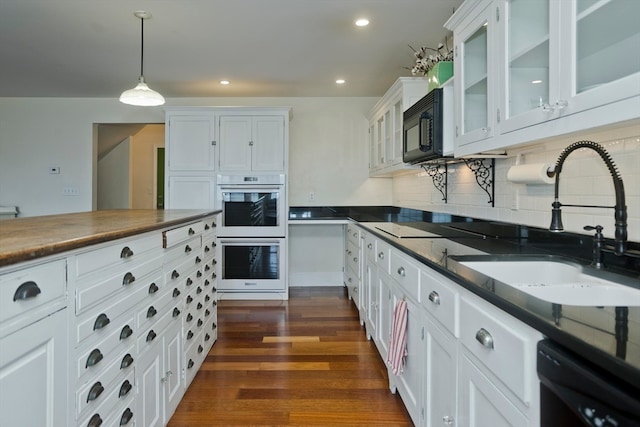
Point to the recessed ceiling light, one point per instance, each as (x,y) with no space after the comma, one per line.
(224,82)
(362,22)
(340,81)
(535,82)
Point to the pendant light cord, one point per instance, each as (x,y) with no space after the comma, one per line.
(141,47)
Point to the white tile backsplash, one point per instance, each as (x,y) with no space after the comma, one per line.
(585,179)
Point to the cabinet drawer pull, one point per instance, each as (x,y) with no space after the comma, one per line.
(126,252)
(199,306)
(95,421)
(190,364)
(214,326)
(207,337)
(126,417)
(127,360)
(189,282)
(95,391)
(207,268)
(206,249)
(94,358)
(151,336)
(370,246)
(484,337)
(176,312)
(189,335)
(198,290)
(176,292)
(125,388)
(207,312)
(27,290)
(101,321)
(189,317)
(214,275)
(206,282)
(207,298)
(175,274)
(153,288)
(214,289)
(215,303)
(187,249)
(151,312)
(355,259)
(434,297)
(191,232)
(199,274)
(200,349)
(447,420)
(199,323)
(402,272)
(381,255)
(128,279)
(126,332)
(198,260)
(189,299)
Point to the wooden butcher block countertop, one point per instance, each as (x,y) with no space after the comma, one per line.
(24,239)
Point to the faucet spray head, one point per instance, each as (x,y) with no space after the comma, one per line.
(556,217)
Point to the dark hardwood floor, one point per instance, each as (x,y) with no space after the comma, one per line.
(300,362)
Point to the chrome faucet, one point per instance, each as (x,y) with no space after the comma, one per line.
(620,209)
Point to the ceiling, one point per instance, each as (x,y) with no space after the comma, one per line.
(266,48)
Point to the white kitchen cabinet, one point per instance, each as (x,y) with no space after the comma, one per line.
(385,125)
(353,266)
(252,143)
(190,141)
(385,313)
(190,192)
(552,68)
(371,287)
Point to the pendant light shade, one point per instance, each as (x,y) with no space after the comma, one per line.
(142,95)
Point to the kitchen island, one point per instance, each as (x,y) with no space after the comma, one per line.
(106,316)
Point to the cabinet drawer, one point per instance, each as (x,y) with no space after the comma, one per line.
(209,225)
(183,274)
(105,410)
(369,248)
(94,358)
(187,249)
(503,344)
(123,415)
(441,301)
(150,337)
(406,273)
(193,358)
(91,395)
(353,258)
(383,256)
(210,330)
(105,318)
(121,253)
(180,234)
(89,294)
(24,290)
(150,312)
(353,234)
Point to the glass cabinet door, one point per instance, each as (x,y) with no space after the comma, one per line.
(474,118)
(388,143)
(605,64)
(397,131)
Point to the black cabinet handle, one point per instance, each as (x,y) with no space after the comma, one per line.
(189,299)
(189,335)
(189,282)
(95,391)
(199,290)
(200,349)
(207,312)
(207,337)
(153,288)
(126,417)
(125,388)
(126,332)
(206,282)
(206,249)
(94,358)
(206,226)
(151,336)
(214,289)
(176,312)
(199,323)
(101,321)
(198,260)
(214,275)
(176,292)
(128,279)
(190,364)
(207,268)
(199,274)
(95,421)
(214,326)
(175,274)
(151,312)
(126,252)
(215,303)
(199,306)
(189,317)
(191,232)
(127,360)
(207,298)
(27,290)
(187,249)
(214,262)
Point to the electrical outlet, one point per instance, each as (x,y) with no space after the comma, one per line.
(312,196)
(515,201)
(70,191)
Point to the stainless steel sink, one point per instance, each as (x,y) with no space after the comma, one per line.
(558,281)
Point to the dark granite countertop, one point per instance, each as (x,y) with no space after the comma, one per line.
(609,337)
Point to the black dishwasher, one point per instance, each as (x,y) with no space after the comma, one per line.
(576,393)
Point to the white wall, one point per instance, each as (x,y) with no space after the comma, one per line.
(143,158)
(114,189)
(328,152)
(584,180)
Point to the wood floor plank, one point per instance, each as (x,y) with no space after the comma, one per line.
(302,362)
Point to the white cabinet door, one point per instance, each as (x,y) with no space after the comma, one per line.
(173,384)
(267,149)
(440,377)
(191,142)
(385,313)
(481,403)
(371,301)
(190,192)
(148,377)
(33,384)
(235,143)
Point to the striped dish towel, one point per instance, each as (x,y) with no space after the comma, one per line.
(398,344)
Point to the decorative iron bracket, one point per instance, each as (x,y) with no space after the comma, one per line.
(438,174)
(485,176)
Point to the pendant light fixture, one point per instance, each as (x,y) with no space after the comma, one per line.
(141,94)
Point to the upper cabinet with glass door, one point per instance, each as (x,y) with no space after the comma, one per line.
(573,62)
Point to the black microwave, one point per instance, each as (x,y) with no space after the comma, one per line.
(427,128)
